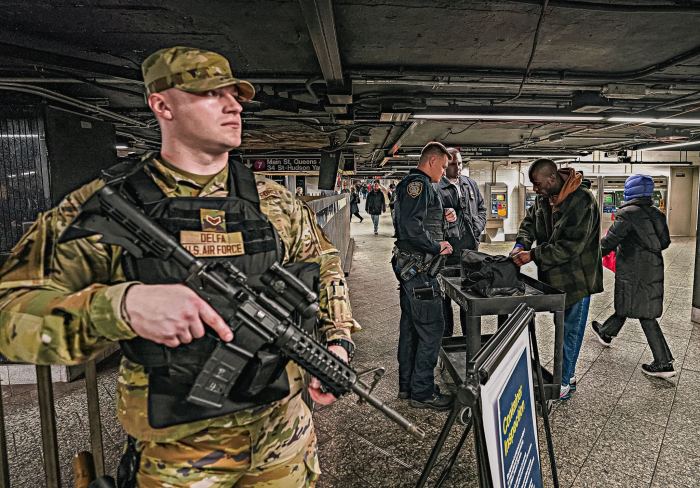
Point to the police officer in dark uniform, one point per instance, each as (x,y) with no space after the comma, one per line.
(419,224)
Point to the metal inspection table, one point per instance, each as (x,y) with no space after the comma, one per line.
(538,296)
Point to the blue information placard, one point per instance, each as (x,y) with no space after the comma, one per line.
(520,466)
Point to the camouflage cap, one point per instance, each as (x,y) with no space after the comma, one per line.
(192,70)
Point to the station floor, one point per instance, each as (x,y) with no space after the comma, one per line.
(620,429)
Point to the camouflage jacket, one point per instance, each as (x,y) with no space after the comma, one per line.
(61,303)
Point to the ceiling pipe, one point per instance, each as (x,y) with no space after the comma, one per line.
(58,97)
(617,7)
(530,85)
(555,74)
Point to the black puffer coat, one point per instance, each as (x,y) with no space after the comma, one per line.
(638,236)
(354,203)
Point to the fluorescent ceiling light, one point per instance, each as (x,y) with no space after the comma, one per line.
(559,118)
(664,163)
(23,173)
(670,146)
(512,156)
(122,146)
(652,120)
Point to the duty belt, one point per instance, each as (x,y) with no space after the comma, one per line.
(405,256)
(411,263)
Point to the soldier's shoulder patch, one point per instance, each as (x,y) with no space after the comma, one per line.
(414,188)
(269,189)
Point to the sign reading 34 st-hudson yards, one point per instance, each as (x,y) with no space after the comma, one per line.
(284,164)
(520,458)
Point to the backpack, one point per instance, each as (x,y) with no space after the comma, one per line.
(490,276)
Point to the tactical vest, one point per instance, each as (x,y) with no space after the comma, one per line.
(172,371)
(434,220)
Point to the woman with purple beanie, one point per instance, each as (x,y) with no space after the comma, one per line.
(638,236)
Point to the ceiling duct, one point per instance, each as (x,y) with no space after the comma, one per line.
(590,102)
(672,134)
(625,91)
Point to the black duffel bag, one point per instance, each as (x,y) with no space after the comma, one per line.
(490,276)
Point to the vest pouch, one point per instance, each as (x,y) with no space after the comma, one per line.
(262,370)
(168,405)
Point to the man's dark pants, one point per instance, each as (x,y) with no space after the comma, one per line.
(420,336)
(448,318)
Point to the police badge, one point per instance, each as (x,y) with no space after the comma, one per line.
(414,188)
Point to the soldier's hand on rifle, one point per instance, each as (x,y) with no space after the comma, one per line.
(445,247)
(171,314)
(315,386)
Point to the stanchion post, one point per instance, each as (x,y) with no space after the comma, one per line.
(47,415)
(4,465)
(93,403)
(543,402)
(695,310)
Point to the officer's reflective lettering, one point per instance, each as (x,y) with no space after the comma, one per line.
(212,244)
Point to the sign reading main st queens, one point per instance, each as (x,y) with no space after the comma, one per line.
(283,165)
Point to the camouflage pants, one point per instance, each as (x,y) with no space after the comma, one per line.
(278,451)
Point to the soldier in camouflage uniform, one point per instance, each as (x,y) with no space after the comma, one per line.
(62,303)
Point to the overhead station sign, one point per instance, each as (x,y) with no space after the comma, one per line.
(283,164)
(484,151)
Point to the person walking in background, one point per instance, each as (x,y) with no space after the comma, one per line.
(375,206)
(565,223)
(355,204)
(638,235)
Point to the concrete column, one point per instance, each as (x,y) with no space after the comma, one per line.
(695,312)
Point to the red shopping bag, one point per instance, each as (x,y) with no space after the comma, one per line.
(610,261)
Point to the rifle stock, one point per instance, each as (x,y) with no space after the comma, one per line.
(83,469)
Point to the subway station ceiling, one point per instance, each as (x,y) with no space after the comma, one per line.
(378,79)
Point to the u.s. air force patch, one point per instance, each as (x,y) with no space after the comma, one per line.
(414,188)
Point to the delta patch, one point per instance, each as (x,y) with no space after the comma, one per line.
(212,220)
(212,244)
(414,189)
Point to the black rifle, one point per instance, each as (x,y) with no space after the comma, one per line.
(261,317)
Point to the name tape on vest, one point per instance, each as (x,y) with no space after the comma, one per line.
(212,244)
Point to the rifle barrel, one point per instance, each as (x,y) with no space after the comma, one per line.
(361,390)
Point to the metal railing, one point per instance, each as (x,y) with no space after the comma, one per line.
(49,439)
(333,215)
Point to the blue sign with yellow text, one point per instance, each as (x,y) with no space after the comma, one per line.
(520,467)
